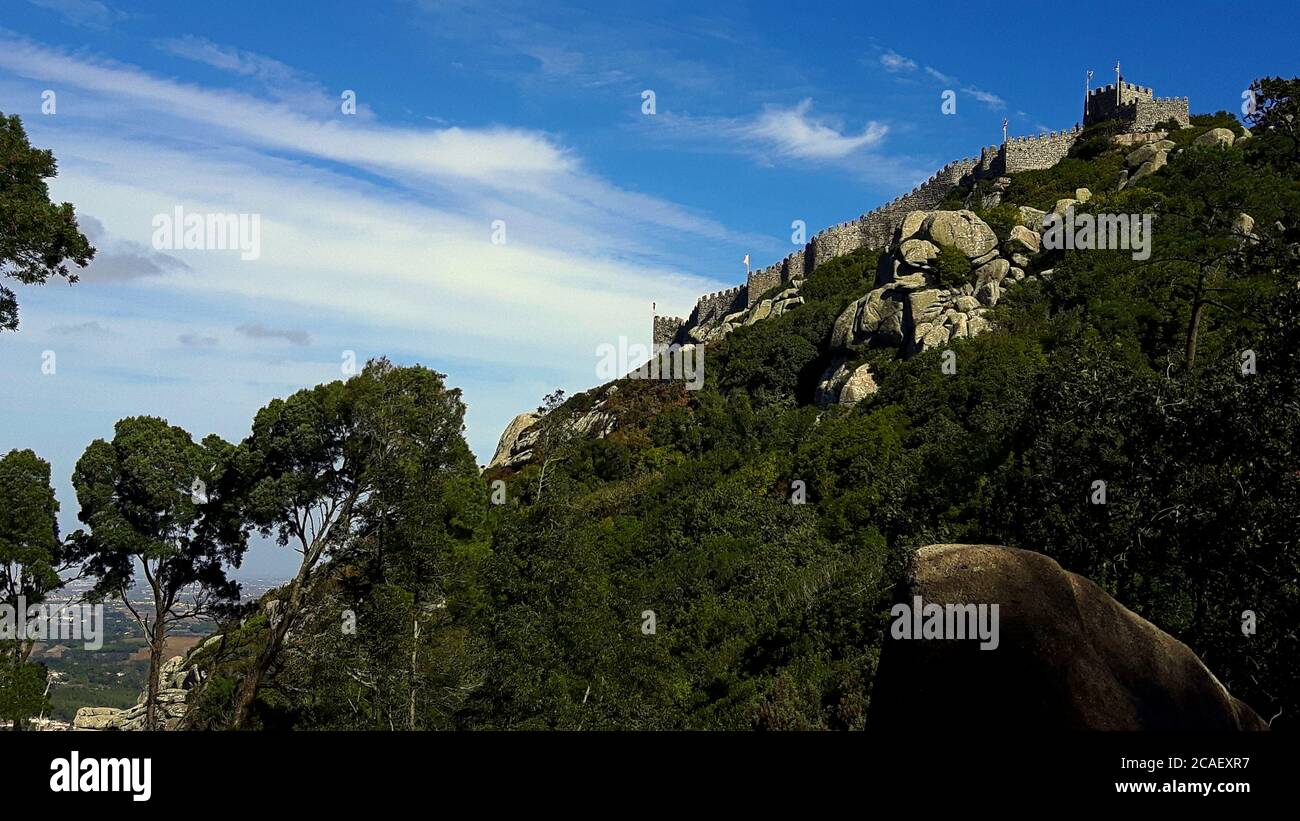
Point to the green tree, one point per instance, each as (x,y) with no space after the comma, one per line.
(555,434)
(326,470)
(1211,256)
(1275,122)
(22,690)
(37,237)
(30,558)
(953,267)
(416,534)
(156,499)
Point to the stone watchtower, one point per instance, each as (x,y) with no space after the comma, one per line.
(1135,106)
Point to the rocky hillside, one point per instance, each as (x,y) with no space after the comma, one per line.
(936,280)
(641,556)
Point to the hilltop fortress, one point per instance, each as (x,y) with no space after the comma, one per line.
(1136,107)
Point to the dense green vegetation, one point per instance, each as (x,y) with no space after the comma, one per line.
(30,558)
(723,558)
(767,613)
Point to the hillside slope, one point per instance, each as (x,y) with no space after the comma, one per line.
(660,558)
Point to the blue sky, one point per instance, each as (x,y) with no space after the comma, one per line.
(376,227)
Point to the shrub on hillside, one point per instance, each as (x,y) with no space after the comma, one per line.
(953,267)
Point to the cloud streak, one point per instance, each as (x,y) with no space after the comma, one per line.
(895,63)
(117,259)
(294,337)
(86,13)
(282,82)
(197,341)
(794,132)
(778,134)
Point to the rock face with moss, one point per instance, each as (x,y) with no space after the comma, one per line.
(1067,657)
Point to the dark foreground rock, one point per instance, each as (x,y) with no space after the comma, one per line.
(1068,657)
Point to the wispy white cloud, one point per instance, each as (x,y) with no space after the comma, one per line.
(90,328)
(896,63)
(290,335)
(568,49)
(227,58)
(86,13)
(281,81)
(940,76)
(987,97)
(776,134)
(893,61)
(495,155)
(794,132)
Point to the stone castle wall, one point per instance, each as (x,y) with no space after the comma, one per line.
(759,282)
(1150,113)
(787,270)
(1035,153)
(1136,106)
(712,307)
(871,230)
(875,228)
(1105,104)
(990,163)
(666,328)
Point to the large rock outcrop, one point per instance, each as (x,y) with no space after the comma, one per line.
(962,230)
(515,447)
(845,385)
(912,307)
(1068,657)
(1221,137)
(511,451)
(175,680)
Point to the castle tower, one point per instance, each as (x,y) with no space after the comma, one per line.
(1134,106)
(666,329)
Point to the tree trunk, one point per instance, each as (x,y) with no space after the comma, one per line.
(292,606)
(155,665)
(18,664)
(252,682)
(274,641)
(1193,328)
(415,648)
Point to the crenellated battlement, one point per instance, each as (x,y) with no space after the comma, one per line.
(874,228)
(711,307)
(1036,151)
(1128,91)
(1070,134)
